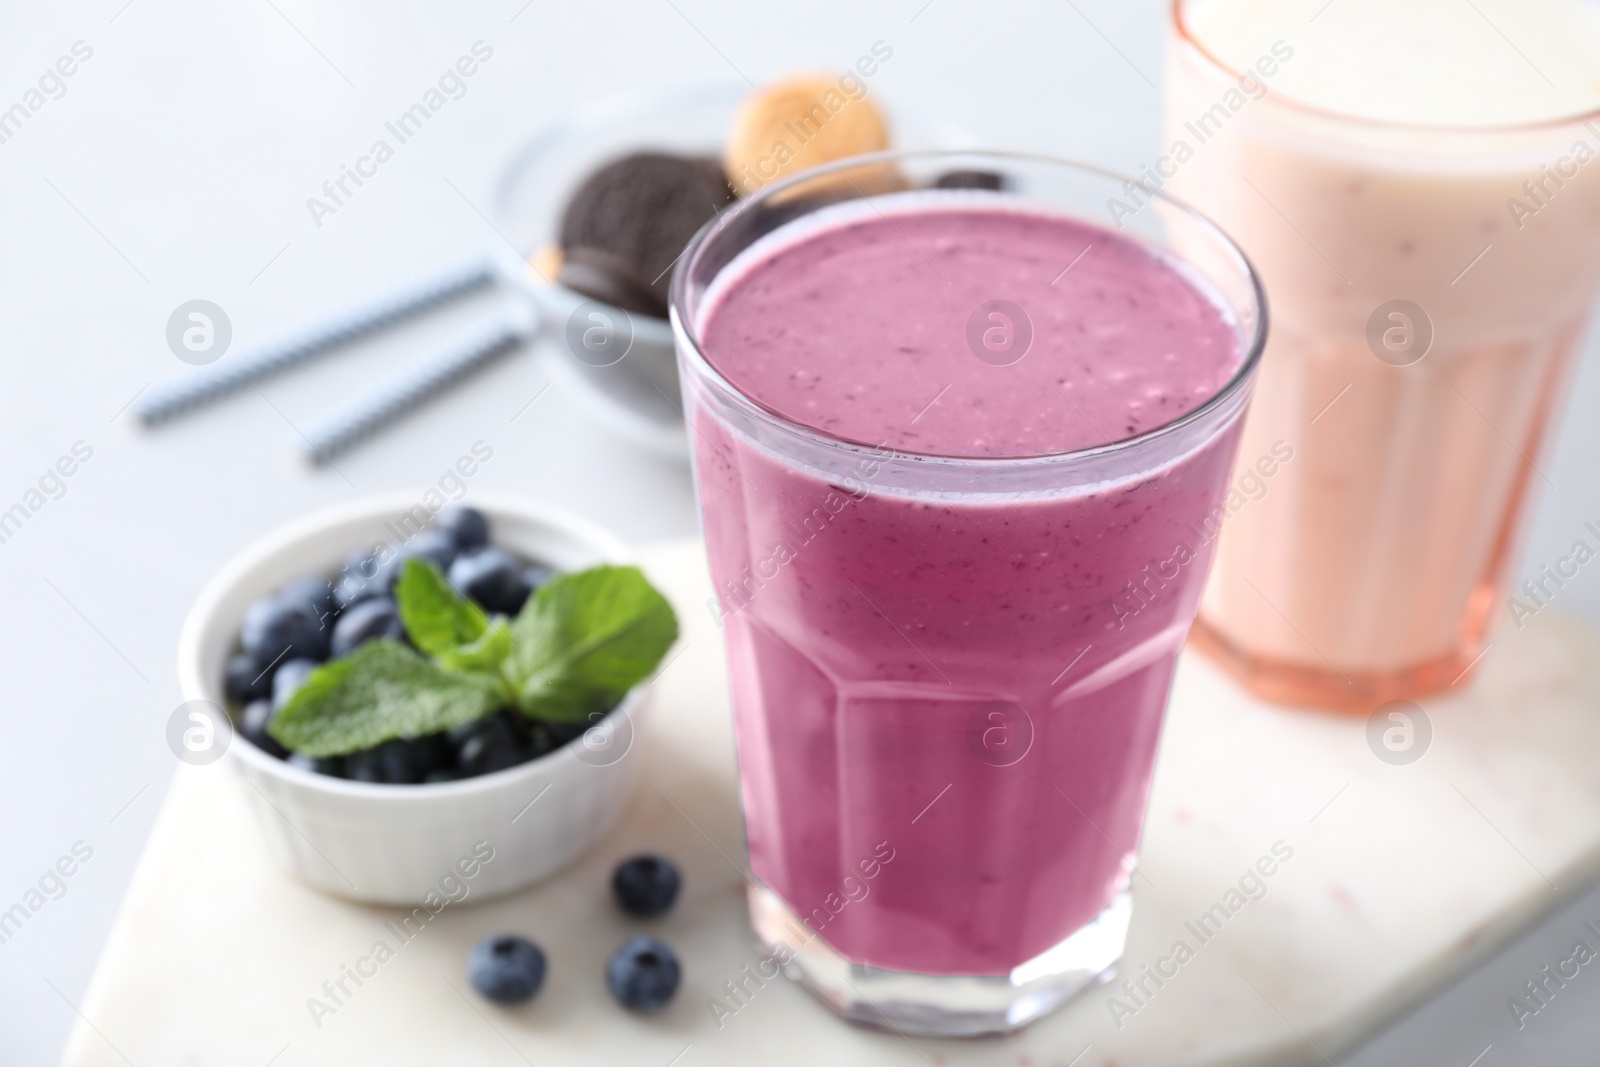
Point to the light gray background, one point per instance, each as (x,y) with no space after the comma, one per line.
(177,166)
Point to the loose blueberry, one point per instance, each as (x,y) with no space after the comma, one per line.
(506,969)
(366,621)
(643,974)
(435,546)
(275,629)
(466,526)
(332,766)
(243,681)
(290,676)
(488,744)
(253,725)
(646,886)
(393,762)
(491,577)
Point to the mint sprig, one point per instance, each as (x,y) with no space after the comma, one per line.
(379,691)
(577,647)
(586,639)
(437,618)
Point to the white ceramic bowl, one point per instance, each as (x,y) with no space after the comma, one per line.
(397,844)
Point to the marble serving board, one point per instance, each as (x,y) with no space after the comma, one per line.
(1387,880)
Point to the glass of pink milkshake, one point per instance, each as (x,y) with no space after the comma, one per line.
(1416,183)
(955,448)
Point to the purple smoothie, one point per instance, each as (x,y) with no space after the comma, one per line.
(971,688)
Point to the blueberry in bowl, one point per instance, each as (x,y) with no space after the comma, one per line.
(365,621)
(253,728)
(433,546)
(467,527)
(457,669)
(492,578)
(284,626)
(390,732)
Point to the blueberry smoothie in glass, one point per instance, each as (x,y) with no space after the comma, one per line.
(955,453)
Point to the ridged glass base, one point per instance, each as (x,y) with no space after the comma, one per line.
(1351,691)
(941,1005)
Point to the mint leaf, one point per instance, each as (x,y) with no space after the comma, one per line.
(380,691)
(585,639)
(487,653)
(437,618)
(577,647)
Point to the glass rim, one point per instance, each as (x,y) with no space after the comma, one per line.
(690,347)
(1189,38)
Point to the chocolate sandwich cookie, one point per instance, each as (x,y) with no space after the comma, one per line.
(629,221)
(970,179)
(610,279)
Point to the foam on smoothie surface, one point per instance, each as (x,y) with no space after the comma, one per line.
(1428,62)
(856,328)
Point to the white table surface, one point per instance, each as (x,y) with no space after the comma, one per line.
(177,165)
(1370,885)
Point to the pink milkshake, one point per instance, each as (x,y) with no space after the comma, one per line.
(955,452)
(1420,194)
